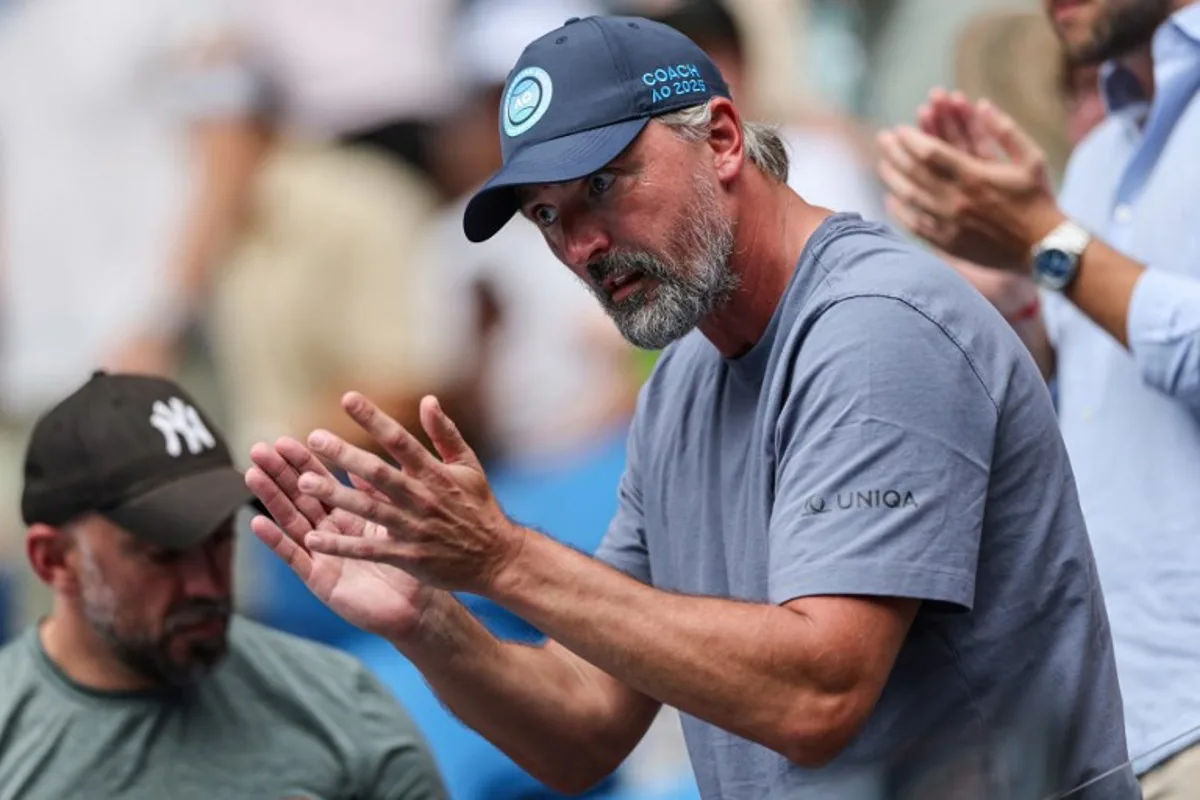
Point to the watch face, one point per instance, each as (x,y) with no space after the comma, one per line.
(1056,265)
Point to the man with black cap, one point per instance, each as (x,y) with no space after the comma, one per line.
(142,683)
(848,545)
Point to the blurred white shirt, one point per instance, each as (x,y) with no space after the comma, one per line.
(95,175)
(342,65)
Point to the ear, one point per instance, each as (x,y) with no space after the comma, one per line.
(48,548)
(726,139)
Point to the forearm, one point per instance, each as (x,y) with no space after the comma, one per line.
(733,664)
(228,153)
(1155,314)
(545,710)
(1103,288)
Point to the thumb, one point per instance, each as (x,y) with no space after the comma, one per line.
(445,435)
(1018,145)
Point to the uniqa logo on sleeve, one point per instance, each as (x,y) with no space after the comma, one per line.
(526,101)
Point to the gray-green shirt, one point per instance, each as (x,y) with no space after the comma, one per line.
(281,718)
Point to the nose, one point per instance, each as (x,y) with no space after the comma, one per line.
(202,575)
(583,241)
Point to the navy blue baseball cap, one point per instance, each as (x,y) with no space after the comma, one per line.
(579,96)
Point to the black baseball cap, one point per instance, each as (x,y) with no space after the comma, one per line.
(579,96)
(138,450)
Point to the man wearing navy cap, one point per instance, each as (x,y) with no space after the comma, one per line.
(848,546)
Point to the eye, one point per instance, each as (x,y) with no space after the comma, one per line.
(545,216)
(600,183)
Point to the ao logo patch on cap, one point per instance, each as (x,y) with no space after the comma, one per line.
(527,99)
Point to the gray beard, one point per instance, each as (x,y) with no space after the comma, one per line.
(685,290)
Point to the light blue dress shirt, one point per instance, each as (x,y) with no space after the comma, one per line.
(1131,418)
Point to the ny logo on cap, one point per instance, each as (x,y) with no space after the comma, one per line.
(176,421)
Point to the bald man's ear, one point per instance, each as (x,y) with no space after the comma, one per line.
(726,139)
(48,549)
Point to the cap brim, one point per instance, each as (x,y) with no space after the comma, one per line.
(183,513)
(567,158)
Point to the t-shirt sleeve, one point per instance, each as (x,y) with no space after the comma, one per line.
(397,763)
(883,447)
(624,545)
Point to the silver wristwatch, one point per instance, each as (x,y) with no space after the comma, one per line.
(1056,256)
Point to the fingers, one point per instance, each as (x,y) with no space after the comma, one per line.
(927,121)
(924,225)
(932,154)
(282,545)
(391,435)
(445,435)
(955,123)
(381,550)
(366,488)
(907,191)
(1016,143)
(275,463)
(372,508)
(390,482)
(893,152)
(280,506)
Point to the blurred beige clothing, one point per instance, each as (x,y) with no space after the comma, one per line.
(321,295)
(1178,778)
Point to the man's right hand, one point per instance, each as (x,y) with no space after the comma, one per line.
(378,598)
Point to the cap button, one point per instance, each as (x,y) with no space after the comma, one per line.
(572,20)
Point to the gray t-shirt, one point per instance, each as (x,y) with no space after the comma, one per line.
(888,436)
(281,718)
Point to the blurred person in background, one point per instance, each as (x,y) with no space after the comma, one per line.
(555,378)
(1054,98)
(128,138)
(334,232)
(141,682)
(1117,259)
(827,166)
(337,217)
(848,538)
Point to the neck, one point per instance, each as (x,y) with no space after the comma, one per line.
(84,656)
(771,234)
(1141,62)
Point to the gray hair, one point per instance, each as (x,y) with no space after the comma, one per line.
(764,146)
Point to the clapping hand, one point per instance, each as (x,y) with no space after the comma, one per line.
(430,517)
(375,597)
(970,182)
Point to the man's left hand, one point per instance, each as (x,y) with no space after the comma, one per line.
(991,211)
(443,524)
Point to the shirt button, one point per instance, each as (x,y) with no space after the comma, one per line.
(1123,214)
(1088,414)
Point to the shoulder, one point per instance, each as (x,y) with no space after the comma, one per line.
(16,660)
(885,306)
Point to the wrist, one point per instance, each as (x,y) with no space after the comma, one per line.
(1042,218)
(428,629)
(510,572)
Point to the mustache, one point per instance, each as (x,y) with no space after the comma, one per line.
(196,612)
(615,263)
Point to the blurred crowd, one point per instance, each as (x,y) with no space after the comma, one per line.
(264,200)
